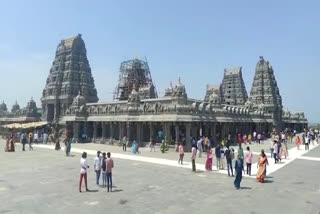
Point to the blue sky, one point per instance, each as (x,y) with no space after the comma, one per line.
(192,39)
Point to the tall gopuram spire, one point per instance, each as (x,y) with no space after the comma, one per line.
(69,74)
(265,93)
(233,89)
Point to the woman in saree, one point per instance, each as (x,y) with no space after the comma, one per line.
(11,144)
(134,147)
(262,167)
(209,159)
(284,150)
(298,142)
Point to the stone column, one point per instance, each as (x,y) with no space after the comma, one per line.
(95,131)
(151,130)
(121,131)
(206,130)
(111,131)
(139,133)
(128,131)
(177,133)
(188,138)
(104,130)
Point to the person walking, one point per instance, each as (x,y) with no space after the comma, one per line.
(209,159)
(229,161)
(275,151)
(30,140)
(199,146)
(193,157)
(222,156)
(241,155)
(218,156)
(83,171)
(97,165)
(124,144)
(45,138)
(153,144)
(23,139)
(262,167)
(181,154)
(109,167)
(238,166)
(271,147)
(249,157)
(103,168)
(298,142)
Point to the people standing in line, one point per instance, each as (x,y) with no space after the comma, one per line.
(238,166)
(228,154)
(298,142)
(249,157)
(193,157)
(30,140)
(241,155)
(97,165)
(218,156)
(124,144)
(181,153)
(109,167)
(83,171)
(199,146)
(209,159)
(103,169)
(262,167)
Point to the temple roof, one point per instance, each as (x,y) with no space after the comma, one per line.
(232,70)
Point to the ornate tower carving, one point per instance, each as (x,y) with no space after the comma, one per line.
(69,74)
(265,93)
(233,90)
(135,73)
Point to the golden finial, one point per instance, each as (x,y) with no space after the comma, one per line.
(137,55)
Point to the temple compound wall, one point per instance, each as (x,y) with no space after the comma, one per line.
(137,112)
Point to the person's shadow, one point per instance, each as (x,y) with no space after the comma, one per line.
(246,188)
(93,190)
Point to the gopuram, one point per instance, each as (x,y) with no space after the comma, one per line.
(137,113)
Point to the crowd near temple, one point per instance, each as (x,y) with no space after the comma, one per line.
(70,101)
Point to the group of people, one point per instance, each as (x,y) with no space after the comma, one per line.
(102,165)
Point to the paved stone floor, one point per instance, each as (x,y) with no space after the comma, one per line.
(45,181)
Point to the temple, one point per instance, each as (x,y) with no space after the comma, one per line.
(136,112)
(70,74)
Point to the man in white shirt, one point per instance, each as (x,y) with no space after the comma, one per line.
(255,136)
(45,138)
(83,171)
(97,166)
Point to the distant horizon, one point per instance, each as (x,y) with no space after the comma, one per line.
(196,41)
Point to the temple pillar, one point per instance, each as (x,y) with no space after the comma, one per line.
(139,133)
(76,131)
(151,130)
(177,133)
(121,131)
(95,131)
(188,137)
(103,127)
(128,131)
(111,131)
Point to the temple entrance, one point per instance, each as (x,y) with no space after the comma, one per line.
(50,112)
